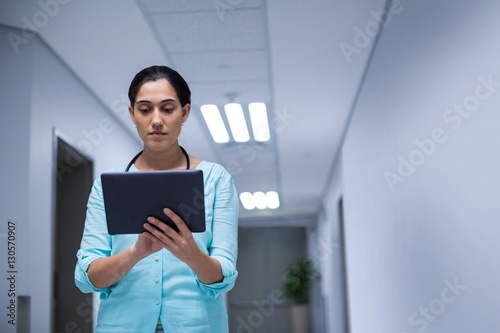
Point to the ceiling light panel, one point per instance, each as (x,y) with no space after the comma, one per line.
(237,123)
(260,200)
(272,199)
(247,200)
(260,124)
(215,123)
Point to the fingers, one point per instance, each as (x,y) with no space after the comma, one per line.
(181,244)
(181,225)
(160,229)
(159,233)
(147,243)
(160,226)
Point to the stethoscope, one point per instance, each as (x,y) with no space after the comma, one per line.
(137,156)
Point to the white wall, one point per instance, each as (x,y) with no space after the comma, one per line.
(15,80)
(422,247)
(39,93)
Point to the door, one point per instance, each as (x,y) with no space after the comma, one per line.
(72,309)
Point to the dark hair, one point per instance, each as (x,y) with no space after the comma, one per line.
(155,73)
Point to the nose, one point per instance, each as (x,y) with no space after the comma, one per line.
(156,121)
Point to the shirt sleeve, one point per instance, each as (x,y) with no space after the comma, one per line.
(96,242)
(224,246)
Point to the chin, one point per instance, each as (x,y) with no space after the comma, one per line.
(158,146)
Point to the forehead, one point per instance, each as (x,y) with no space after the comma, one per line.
(156,91)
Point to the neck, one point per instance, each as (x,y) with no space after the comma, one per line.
(171,158)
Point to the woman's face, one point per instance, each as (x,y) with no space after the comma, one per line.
(158,114)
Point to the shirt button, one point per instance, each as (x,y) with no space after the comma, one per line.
(157,302)
(157,280)
(156,258)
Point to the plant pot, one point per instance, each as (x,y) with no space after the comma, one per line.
(299,315)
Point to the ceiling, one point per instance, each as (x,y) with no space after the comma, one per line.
(286,53)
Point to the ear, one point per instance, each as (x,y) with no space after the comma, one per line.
(131,113)
(186,111)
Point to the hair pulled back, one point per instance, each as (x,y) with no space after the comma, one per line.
(155,73)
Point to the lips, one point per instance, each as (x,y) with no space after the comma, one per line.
(157,134)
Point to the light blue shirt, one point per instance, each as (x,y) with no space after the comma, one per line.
(161,286)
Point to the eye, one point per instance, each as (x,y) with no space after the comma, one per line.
(144,110)
(168,110)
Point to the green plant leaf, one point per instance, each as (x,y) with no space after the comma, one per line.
(298,280)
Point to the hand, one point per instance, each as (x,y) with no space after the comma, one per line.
(181,244)
(144,246)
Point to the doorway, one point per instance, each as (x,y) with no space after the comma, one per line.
(72,310)
(255,304)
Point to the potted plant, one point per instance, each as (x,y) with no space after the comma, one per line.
(297,283)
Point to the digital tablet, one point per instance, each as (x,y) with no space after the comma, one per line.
(131,197)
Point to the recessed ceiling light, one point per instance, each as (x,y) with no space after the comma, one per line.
(260,200)
(215,123)
(260,125)
(236,120)
(235,117)
(247,200)
(273,200)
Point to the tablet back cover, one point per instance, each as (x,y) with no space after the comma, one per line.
(131,197)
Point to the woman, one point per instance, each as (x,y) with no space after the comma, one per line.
(161,274)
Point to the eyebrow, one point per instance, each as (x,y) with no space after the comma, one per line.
(168,100)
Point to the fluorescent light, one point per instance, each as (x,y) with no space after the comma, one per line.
(247,200)
(273,200)
(260,125)
(215,123)
(236,119)
(260,200)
